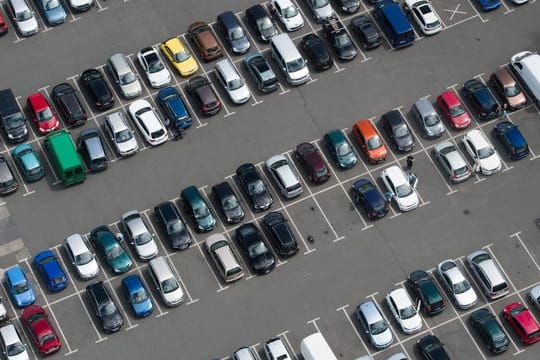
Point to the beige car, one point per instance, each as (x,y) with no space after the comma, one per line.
(220,250)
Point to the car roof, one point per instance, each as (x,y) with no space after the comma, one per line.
(9,334)
(477,138)
(132,283)
(175,45)
(276,347)
(370,311)
(76,244)
(394,118)
(504,76)
(38,101)
(167,210)
(117,121)
(512,133)
(395,173)
(401,298)
(16,274)
(455,275)
(450,98)
(527,321)
(489,267)
(367,128)
(100,293)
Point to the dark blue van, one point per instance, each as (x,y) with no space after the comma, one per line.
(174,107)
(394,23)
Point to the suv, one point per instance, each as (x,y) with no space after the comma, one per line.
(91,149)
(261,73)
(314,165)
(338,36)
(512,139)
(121,134)
(12,119)
(198,209)
(275,349)
(424,289)
(204,95)
(228,202)
(124,75)
(489,275)
(277,227)
(374,325)
(220,250)
(398,131)
(169,218)
(205,41)
(284,176)
(104,307)
(69,105)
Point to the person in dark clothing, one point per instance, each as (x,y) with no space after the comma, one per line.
(410,162)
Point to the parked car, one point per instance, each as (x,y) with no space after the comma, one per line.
(81,256)
(287,13)
(522,321)
(174,108)
(482,153)
(254,187)
(275,349)
(91,149)
(339,38)
(341,149)
(534,297)
(233,32)
(488,5)
(19,287)
(349,6)
(104,307)
(156,72)
(404,311)
(482,101)
(401,187)
(79,6)
(220,250)
(197,207)
(366,30)
(42,333)
(204,95)
(425,290)
(53,11)
(284,176)
(28,162)
(3,312)
(374,325)
(512,140)
(11,343)
(457,286)
(137,296)
(490,278)
(108,245)
(3,25)
(97,89)
(281,235)
(251,241)
(24,17)
(166,281)
(120,134)
(179,57)
(124,75)
(313,163)
(489,330)
(228,203)
(369,141)
(320,9)
(231,81)
(508,89)
(398,131)
(261,73)
(453,110)
(42,113)
(68,103)
(424,15)
(432,348)
(205,41)
(244,353)
(316,52)
(171,222)
(259,20)
(452,162)
(139,235)
(367,195)
(8,182)
(148,122)
(50,270)
(427,118)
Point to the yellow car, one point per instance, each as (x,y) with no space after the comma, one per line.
(179,57)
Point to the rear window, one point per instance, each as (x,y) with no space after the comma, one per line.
(69,173)
(157,134)
(500,287)
(234,271)
(294,187)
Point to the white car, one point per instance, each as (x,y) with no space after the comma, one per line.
(154,68)
(121,135)
(403,310)
(3,311)
(82,258)
(284,176)
(81,5)
(401,187)
(148,122)
(12,346)
(534,297)
(482,152)
(139,235)
(232,82)
(424,15)
(321,9)
(24,17)
(457,286)
(287,13)
(274,349)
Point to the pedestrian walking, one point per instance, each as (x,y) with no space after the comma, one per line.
(410,162)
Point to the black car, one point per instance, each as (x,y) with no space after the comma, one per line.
(481,99)
(259,20)
(104,307)
(251,241)
(228,202)
(204,95)
(316,52)
(367,195)
(366,31)
(491,332)
(69,105)
(340,40)
(512,139)
(254,187)
(398,131)
(91,149)
(348,6)
(424,289)
(171,222)
(280,232)
(97,89)
(260,71)
(431,348)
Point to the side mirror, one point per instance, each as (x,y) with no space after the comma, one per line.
(120,237)
(418,305)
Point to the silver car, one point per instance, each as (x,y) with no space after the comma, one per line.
(321,9)
(139,235)
(244,354)
(120,134)
(374,325)
(124,75)
(534,297)
(427,118)
(457,286)
(452,162)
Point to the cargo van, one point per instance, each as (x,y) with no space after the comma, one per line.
(289,60)
(315,347)
(526,65)
(394,23)
(64,157)
(12,119)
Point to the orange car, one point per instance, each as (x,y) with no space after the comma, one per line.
(369,141)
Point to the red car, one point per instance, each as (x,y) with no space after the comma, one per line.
(453,110)
(44,337)
(42,113)
(3,25)
(522,322)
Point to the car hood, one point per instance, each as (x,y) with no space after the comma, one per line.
(374,199)
(56,14)
(25,298)
(268,33)
(347,160)
(206,222)
(113,321)
(128,145)
(263,261)
(412,324)
(405,142)
(174,297)
(262,200)
(490,163)
(235,213)
(408,202)
(468,298)
(294,22)
(88,270)
(132,89)
(240,93)
(434,130)
(181,239)
(28,25)
(240,45)
(120,263)
(161,77)
(383,339)
(143,307)
(324,12)
(347,51)
(147,250)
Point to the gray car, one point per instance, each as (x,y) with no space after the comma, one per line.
(121,134)
(427,118)
(261,73)
(374,325)
(139,235)
(321,9)
(452,162)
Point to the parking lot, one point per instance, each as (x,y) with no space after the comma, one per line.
(350,258)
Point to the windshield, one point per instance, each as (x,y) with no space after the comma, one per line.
(257,249)
(20,288)
(34,171)
(407,312)
(235,84)
(343,149)
(124,135)
(256,187)
(128,78)
(155,66)
(432,120)
(230,203)
(404,190)
(236,33)
(15,349)
(379,327)
(84,258)
(176,227)
(201,212)
(181,56)
(343,40)
(114,252)
(107,309)
(143,238)
(46,338)
(139,296)
(265,24)
(401,131)
(319,3)
(45,115)
(485,152)
(295,65)
(24,15)
(456,111)
(461,287)
(14,121)
(290,12)
(169,285)
(374,143)
(52,4)
(512,90)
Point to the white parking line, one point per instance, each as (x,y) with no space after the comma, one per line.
(476,11)
(517,235)
(288,344)
(101,8)
(353,326)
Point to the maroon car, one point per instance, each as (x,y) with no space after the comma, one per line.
(313,163)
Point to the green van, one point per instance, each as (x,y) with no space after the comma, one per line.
(64,157)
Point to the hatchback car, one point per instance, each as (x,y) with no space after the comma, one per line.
(28,162)
(166,281)
(80,6)
(426,291)
(489,276)
(232,82)
(488,5)
(485,157)
(313,163)
(259,20)
(348,6)
(108,245)
(427,118)
(287,13)
(275,349)
(120,134)
(489,330)
(369,141)
(8,182)
(482,101)
(522,321)
(367,32)
(398,131)
(457,286)
(81,257)
(284,176)
(42,113)
(340,148)
(431,348)
(228,203)
(19,287)
(339,39)
(233,32)
(97,89)
(3,25)
(204,39)
(204,95)
(452,162)
(424,15)
(403,310)
(174,108)
(244,353)
(367,195)
(50,270)
(91,149)
(148,122)
(11,343)
(316,52)
(281,235)
(374,325)
(261,73)
(40,329)
(68,103)
(320,9)
(53,11)
(199,210)
(104,307)
(508,89)
(24,17)
(401,187)
(171,222)
(179,57)
(157,74)
(512,140)
(137,296)
(139,235)
(251,241)
(453,110)
(254,187)
(221,252)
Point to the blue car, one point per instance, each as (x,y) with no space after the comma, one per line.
(512,139)
(367,195)
(50,270)
(28,162)
(137,296)
(488,5)
(53,11)
(174,107)
(19,288)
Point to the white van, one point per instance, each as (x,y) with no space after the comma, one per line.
(289,60)
(526,65)
(315,347)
